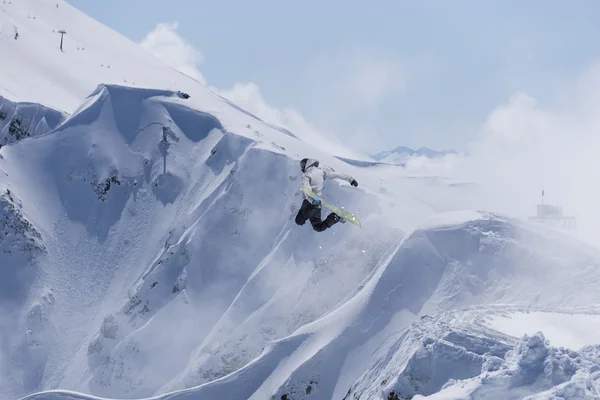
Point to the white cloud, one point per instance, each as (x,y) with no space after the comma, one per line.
(357,79)
(345,84)
(165,43)
(370,79)
(347,90)
(523,145)
(249,97)
(365,137)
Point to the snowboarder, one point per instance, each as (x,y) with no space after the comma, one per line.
(314,178)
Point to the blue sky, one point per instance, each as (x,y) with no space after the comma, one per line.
(384,73)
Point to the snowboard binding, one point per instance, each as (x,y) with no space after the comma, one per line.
(339,219)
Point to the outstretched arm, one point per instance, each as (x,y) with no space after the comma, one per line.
(331,174)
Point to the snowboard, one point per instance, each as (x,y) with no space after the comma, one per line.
(344,214)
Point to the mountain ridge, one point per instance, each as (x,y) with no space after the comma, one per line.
(401,154)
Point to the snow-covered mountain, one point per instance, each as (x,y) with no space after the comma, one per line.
(149,249)
(401,154)
(149,229)
(442,320)
(22,120)
(160,222)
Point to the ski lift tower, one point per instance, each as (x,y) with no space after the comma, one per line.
(553,216)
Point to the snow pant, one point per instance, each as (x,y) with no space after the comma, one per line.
(309,211)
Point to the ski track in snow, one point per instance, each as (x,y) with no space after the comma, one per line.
(148,248)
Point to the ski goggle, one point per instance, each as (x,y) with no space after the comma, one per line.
(303,165)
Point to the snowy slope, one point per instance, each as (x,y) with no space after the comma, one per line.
(140,221)
(158,217)
(503,263)
(33,68)
(149,215)
(429,272)
(384,343)
(460,355)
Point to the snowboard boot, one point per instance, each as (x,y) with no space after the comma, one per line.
(336,218)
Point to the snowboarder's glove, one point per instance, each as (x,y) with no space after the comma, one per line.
(316,202)
(354,183)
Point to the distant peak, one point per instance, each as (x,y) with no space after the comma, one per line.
(402,152)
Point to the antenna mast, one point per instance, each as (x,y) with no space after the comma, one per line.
(543,193)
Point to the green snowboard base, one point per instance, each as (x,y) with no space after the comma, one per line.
(344,214)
